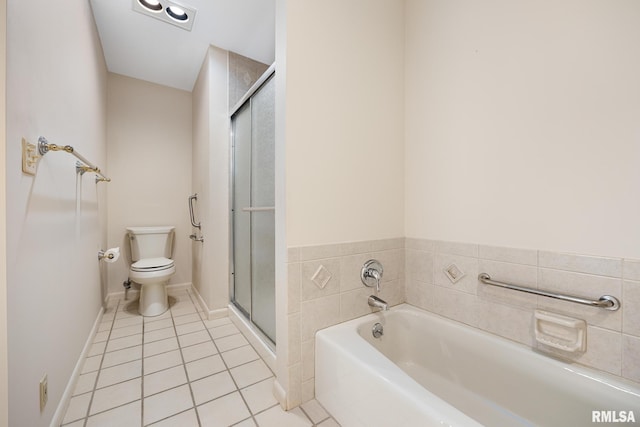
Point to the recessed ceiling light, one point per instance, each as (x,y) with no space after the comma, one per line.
(177,13)
(153,5)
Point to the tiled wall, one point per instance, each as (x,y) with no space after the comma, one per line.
(414,273)
(336,295)
(613,337)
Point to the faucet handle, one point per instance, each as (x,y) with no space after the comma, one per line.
(371,274)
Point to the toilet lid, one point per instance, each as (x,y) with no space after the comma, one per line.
(149,264)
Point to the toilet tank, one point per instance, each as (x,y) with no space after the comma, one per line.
(150,242)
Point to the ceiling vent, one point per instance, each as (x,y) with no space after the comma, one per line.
(168,11)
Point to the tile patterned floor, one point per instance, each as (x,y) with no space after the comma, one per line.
(177,370)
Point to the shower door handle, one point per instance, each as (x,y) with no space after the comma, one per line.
(259,209)
(193,218)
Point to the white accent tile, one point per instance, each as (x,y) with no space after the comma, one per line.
(115,395)
(250,373)
(212,387)
(120,373)
(321,277)
(467,283)
(122,356)
(198,351)
(240,356)
(166,404)
(126,415)
(260,396)
(77,409)
(231,342)
(162,346)
(276,417)
(204,367)
(164,380)
(162,361)
(327,274)
(224,411)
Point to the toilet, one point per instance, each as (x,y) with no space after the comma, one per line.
(151,266)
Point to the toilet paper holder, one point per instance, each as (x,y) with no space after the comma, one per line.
(110,255)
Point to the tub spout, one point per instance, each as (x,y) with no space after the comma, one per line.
(376,302)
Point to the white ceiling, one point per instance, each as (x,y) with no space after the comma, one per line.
(146,48)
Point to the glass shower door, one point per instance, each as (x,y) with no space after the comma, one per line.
(254,209)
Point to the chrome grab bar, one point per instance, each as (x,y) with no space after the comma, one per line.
(259,209)
(607,302)
(193,218)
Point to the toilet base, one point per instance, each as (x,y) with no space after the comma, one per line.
(153,299)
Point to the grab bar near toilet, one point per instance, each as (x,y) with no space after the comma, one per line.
(193,218)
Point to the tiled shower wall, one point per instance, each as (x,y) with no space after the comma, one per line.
(325,289)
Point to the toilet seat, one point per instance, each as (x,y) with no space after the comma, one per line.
(150,265)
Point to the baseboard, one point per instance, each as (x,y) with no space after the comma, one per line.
(133,293)
(280,394)
(211,314)
(58,416)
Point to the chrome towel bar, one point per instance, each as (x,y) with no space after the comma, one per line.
(86,166)
(607,302)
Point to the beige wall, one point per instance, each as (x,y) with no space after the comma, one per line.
(149,163)
(339,132)
(4,380)
(344,121)
(210,178)
(522,124)
(56,87)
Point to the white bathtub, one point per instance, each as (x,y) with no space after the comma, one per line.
(430,371)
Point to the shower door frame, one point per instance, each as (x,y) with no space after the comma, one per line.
(264,78)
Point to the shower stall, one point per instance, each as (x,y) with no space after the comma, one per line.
(253,206)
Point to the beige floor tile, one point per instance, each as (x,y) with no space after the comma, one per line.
(159,334)
(164,380)
(315,411)
(330,422)
(119,373)
(162,361)
(77,409)
(126,415)
(198,351)
(160,324)
(162,346)
(91,364)
(250,373)
(194,338)
(187,318)
(120,343)
(224,331)
(240,356)
(259,396)
(129,321)
(166,404)
(204,367)
(115,395)
(212,387)
(122,356)
(183,419)
(231,342)
(276,417)
(188,328)
(85,383)
(214,323)
(97,348)
(224,411)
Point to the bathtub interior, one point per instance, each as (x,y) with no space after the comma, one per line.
(492,379)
